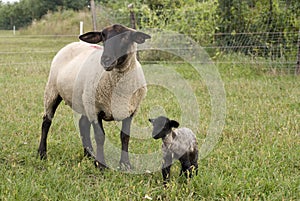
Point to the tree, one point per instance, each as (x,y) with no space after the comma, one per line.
(75,4)
(24,12)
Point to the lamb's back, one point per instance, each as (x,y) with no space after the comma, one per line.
(184,141)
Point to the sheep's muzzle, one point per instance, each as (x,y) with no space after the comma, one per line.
(108,63)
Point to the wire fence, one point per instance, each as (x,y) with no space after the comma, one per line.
(278,51)
(250,56)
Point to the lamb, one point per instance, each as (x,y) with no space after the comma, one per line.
(178,143)
(100,83)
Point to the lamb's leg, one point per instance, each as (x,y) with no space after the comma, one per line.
(125,136)
(195,167)
(185,165)
(194,161)
(50,108)
(166,167)
(99,138)
(85,128)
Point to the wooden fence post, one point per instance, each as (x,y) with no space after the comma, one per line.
(93,10)
(80,27)
(133,24)
(132,16)
(297,70)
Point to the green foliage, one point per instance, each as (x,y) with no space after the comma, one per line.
(74,5)
(267,19)
(14,15)
(191,18)
(21,14)
(267,28)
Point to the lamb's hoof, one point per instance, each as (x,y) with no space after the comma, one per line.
(166,184)
(125,166)
(100,166)
(42,155)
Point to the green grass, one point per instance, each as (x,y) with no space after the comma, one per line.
(68,23)
(257,158)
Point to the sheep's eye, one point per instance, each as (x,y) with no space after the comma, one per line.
(103,35)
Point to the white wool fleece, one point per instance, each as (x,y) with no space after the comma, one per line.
(78,77)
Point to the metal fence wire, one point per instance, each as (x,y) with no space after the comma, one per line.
(268,38)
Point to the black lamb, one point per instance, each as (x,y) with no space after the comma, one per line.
(178,143)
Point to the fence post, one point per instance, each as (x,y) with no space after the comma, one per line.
(132,16)
(93,10)
(297,70)
(14,30)
(81,28)
(132,24)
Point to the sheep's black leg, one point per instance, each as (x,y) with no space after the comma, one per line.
(47,120)
(99,138)
(125,136)
(85,128)
(43,142)
(166,167)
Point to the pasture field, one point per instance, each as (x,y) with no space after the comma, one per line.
(257,157)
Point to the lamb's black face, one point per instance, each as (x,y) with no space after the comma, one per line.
(162,126)
(118,42)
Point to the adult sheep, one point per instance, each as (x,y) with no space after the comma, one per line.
(100,83)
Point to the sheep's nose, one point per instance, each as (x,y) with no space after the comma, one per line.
(106,61)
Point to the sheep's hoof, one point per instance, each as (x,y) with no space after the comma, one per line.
(100,166)
(125,166)
(88,153)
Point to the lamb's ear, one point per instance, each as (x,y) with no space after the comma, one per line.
(139,37)
(91,37)
(174,124)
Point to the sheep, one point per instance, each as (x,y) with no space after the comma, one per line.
(100,83)
(178,144)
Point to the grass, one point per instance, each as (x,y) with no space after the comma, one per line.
(68,23)
(257,157)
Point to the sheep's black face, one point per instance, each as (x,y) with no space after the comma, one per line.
(117,47)
(162,126)
(118,42)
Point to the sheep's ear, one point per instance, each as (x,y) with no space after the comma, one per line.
(174,124)
(139,37)
(91,37)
